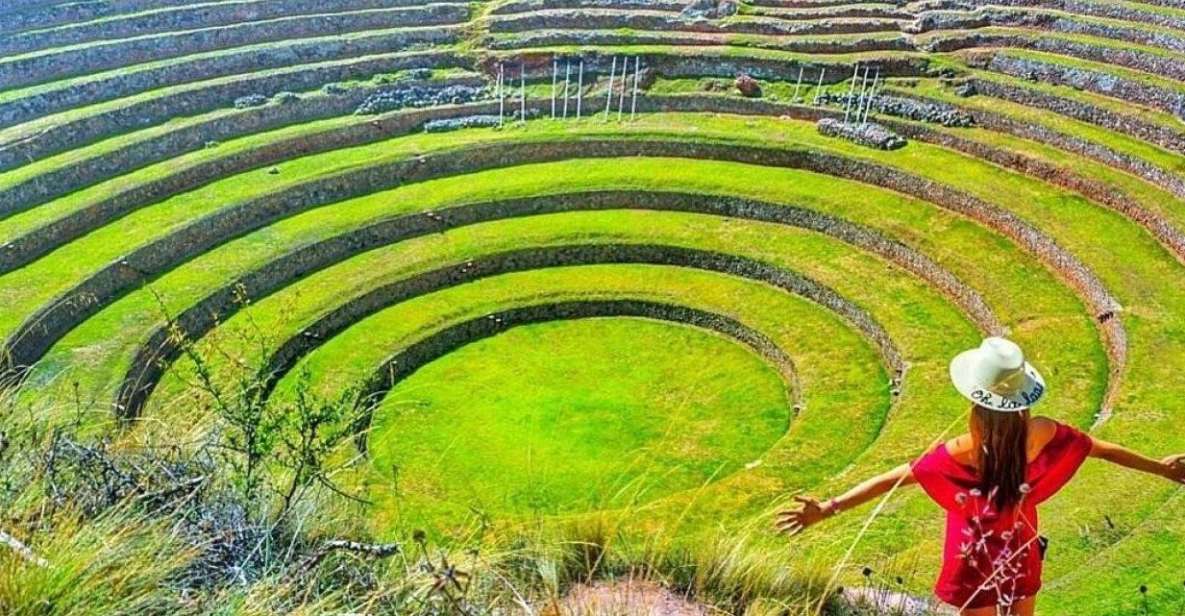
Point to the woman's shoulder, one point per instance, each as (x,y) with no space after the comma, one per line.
(962,449)
(1043,426)
(1042,431)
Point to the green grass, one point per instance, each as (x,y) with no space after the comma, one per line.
(720,51)
(28,129)
(1128,145)
(1040,311)
(634,430)
(1152,116)
(841,401)
(263,48)
(1057,60)
(568,416)
(68,264)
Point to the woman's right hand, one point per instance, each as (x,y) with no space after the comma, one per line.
(1174,467)
(794,521)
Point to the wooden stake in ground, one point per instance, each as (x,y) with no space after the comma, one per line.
(501,98)
(634,98)
(847,106)
(798,85)
(522,91)
(625,68)
(555,73)
(860,99)
(609,90)
(580,89)
(819,88)
(871,93)
(567,76)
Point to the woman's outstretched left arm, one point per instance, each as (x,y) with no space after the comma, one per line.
(1171,467)
(811,510)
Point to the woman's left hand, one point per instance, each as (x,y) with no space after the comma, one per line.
(1175,467)
(794,521)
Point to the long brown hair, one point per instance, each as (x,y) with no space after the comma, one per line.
(1001,452)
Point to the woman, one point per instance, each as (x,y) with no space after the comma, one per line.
(990,482)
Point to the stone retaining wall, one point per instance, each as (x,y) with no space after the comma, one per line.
(727,66)
(848,11)
(45,327)
(990,16)
(23,250)
(187,138)
(1163,66)
(807,4)
(191,17)
(294,53)
(1131,90)
(27,14)
(1109,10)
(556,38)
(526,6)
(153,357)
(119,54)
(1099,192)
(656,20)
(414,356)
(1153,174)
(199,98)
(1122,123)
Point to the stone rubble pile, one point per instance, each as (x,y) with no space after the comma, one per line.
(867,134)
(903,107)
(249,101)
(450,124)
(420,96)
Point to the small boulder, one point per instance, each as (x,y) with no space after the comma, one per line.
(748,86)
(251,100)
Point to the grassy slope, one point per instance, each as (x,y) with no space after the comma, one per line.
(1125,279)
(565,416)
(840,401)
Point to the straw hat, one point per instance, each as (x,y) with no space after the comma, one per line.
(995,375)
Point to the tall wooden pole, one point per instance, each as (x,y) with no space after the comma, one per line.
(567,76)
(580,89)
(555,71)
(609,90)
(634,98)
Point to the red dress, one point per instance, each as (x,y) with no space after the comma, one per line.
(992,557)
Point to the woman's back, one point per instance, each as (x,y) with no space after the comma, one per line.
(1041,431)
(992,553)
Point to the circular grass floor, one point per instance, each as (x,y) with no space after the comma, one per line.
(575,415)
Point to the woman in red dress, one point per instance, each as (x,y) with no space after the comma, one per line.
(990,482)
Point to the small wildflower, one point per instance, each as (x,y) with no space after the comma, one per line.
(976,492)
(1025,488)
(960,498)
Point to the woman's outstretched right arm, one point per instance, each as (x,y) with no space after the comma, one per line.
(811,510)
(1171,468)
